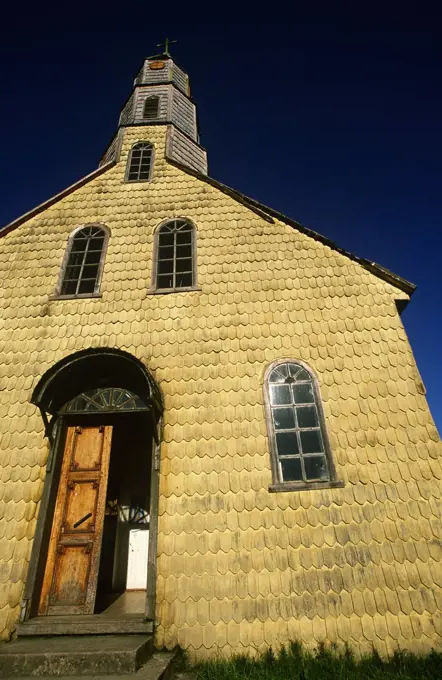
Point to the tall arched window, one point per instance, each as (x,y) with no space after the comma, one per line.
(84,259)
(298,438)
(140,163)
(151,107)
(175,256)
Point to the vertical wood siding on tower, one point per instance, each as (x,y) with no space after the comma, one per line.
(239,568)
(180,78)
(111,152)
(127,112)
(163,93)
(157,76)
(184,114)
(180,148)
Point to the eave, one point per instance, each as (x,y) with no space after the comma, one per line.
(268,213)
(54,199)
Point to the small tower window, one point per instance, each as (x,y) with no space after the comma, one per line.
(140,162)
(83,262)
(175,256)
(298,437)
(151,108)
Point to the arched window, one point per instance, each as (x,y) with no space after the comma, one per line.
(298,438)
(139,167)
(175,256)
(151,106)
(84,261)
(105,399)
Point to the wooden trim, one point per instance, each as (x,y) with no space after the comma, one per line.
(166,291)
(80,296)
(306,486)
(54,199)
(271,435)
(153,528)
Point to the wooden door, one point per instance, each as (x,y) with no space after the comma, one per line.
(71,573)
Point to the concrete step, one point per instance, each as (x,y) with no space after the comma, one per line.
(74,655)
(84,625)
(159,667)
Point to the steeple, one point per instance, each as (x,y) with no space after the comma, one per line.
(161,96)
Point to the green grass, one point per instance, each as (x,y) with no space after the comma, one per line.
(324,663)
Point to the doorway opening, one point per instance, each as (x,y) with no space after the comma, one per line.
(97,528)
(122,575)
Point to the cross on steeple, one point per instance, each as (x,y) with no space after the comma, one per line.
(166,45)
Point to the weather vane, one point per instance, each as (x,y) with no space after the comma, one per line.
(166,45)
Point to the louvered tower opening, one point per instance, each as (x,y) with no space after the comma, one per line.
(151,106)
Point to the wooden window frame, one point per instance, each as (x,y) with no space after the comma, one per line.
(96,292)
(278,484)
(149,97)
(154,290)
(129,162)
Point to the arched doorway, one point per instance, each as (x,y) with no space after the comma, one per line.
(96,531)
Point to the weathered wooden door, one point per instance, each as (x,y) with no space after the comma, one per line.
(71,573)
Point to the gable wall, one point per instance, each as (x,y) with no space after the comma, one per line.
(237,566)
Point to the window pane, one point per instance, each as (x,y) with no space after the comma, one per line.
(72,272)
(184,265)
(311,441)
(279,374)
(165,267)
(76,258)
(183,237)
(69,288)
(280,394)
(165,281)
(86,287)
(93,257)
(166,252)
(287,443)
(166,239)
(303,394)
(144,174)
(79,245)
(293,370)
(184,280)
(90,271)
(184,251)
(303,375)
(316,467)
(307,416)
(291,470)
(284,418)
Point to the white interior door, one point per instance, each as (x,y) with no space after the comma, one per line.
(137,562)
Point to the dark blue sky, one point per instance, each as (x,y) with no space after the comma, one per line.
(332,117)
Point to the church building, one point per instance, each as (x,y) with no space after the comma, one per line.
(213,429)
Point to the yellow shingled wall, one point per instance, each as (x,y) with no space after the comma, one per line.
(238,567)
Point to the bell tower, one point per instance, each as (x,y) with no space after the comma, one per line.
(161,96)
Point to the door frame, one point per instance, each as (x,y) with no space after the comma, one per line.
(34,580)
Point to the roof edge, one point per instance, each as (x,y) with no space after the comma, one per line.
(54,199)
(266,212)
(222,187)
